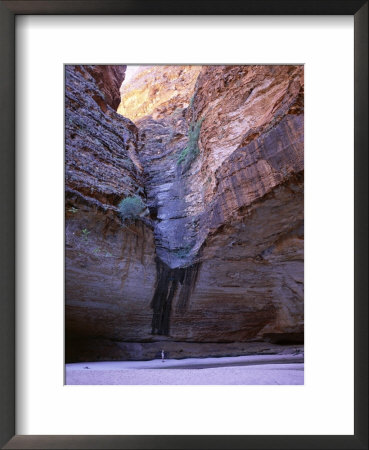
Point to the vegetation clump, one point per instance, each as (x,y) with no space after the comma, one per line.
(85,234)
(131,208)
(191,151)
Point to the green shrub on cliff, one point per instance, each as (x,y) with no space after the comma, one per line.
(191,151)
(85,233)
(131,208)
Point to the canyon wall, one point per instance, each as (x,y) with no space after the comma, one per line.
(216,153)
(103,259)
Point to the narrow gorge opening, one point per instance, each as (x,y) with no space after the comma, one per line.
(166,152)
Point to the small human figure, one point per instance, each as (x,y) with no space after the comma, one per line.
(162,355)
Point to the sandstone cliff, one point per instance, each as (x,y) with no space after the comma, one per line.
(158,91)
(103,259)
(217,154)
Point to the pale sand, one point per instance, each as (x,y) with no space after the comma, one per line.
(242,370)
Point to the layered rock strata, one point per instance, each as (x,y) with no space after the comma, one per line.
(158,91)
(104,259)
(224,180)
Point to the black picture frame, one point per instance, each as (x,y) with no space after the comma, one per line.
(8,12)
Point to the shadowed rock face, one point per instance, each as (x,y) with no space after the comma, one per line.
(168,282)
(109,80)
(100,145)
(217,155)
(103,259)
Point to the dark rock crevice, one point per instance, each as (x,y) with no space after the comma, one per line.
(170,282)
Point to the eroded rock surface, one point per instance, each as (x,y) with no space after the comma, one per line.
(158,91)
(109,80)
(109,268)
(224,180)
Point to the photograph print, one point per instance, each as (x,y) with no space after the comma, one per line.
(184,224)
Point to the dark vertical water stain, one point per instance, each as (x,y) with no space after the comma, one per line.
(167,283)
(188,285)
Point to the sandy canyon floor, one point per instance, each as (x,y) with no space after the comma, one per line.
(240,370)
